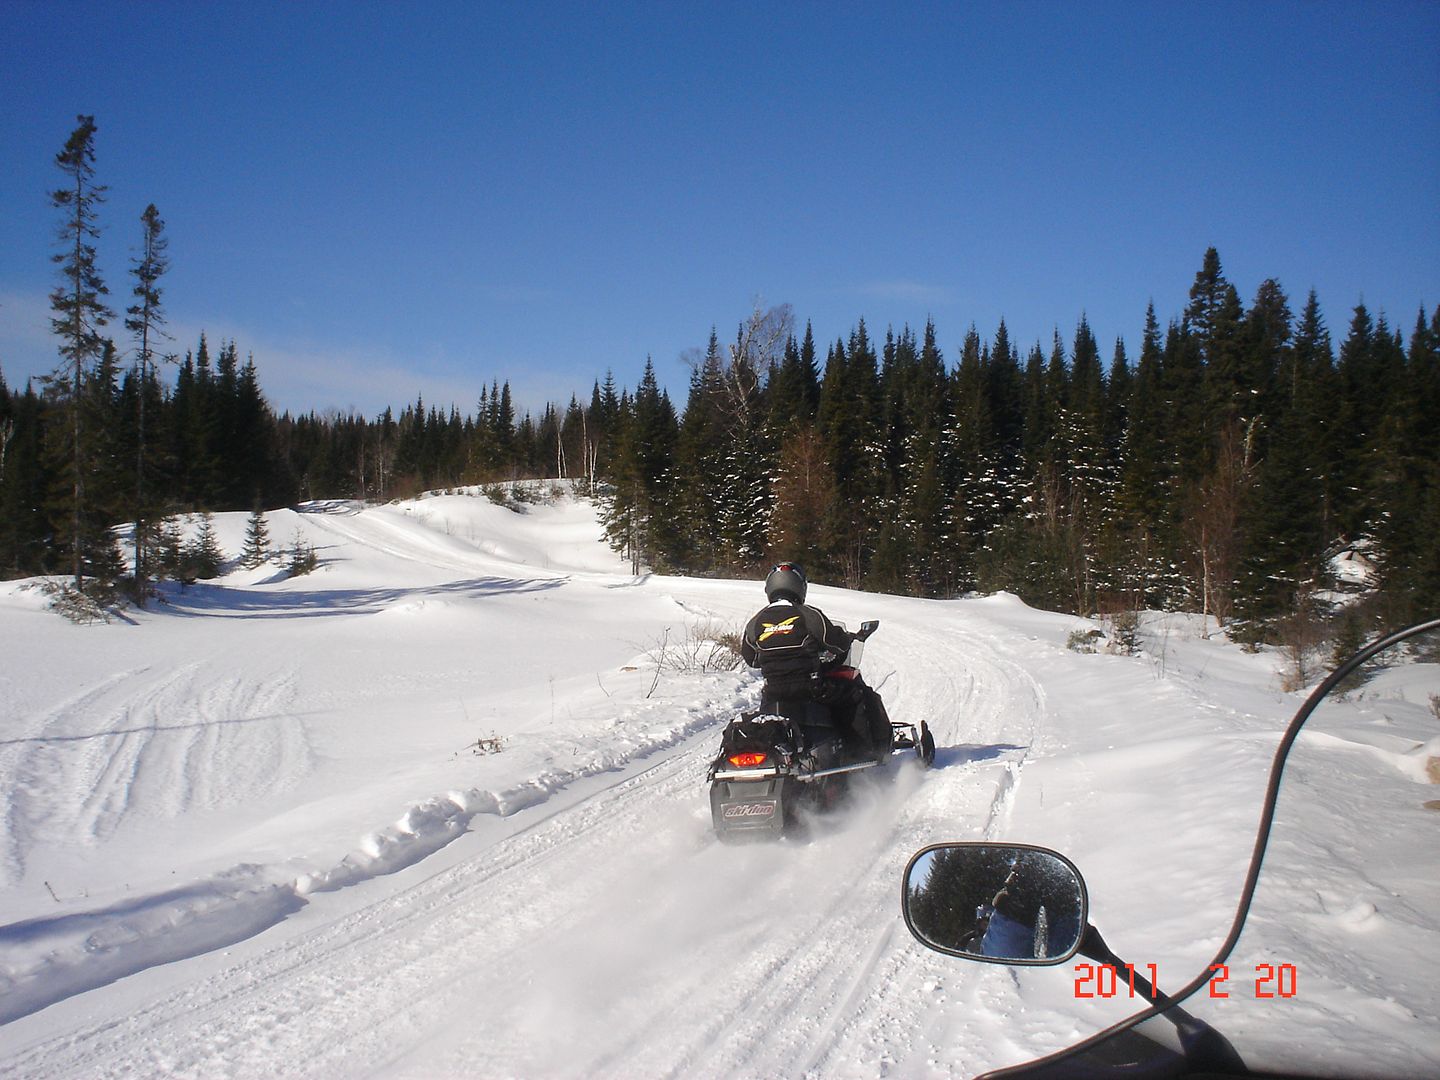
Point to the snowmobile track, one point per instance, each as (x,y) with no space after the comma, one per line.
(602,914)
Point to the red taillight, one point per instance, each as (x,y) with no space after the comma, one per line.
(747,761)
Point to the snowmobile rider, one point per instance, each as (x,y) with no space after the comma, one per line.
(802,656)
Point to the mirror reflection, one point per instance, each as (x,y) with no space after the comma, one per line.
(1005,903)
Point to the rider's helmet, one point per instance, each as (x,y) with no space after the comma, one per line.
(786,581)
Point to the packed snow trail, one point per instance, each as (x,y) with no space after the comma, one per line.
(619,922)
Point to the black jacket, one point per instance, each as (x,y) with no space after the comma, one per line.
(789,643)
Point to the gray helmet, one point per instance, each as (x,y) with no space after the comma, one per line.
(786,581)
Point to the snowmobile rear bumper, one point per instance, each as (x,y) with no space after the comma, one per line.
(748,809)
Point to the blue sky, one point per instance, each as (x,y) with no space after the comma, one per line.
(380,200)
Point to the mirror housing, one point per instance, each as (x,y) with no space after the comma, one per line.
(867,628)
(996,903)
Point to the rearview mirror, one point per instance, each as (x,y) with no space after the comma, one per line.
(997,903)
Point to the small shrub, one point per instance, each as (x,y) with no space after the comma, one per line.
(302,556)
(1249,634)
(1349,639)
(1084,641)
(706,647)
(492,744)
(75,604)
(1125,633)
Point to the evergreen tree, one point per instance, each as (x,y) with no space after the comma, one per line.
(922,510)
(1406,475)
(1264,348)
(850,424)
(27,530)
(146,321)
(793,389)
(1083,438)
(976,501)
(1119,385)
(1365,403)
(643,479)
(1286,532)
(702,443)
(257,540)
(79,316)
(202,557)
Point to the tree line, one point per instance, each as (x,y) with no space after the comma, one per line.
(1222,468)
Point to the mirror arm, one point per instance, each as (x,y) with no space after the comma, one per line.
(1202,1044)
(1093,946)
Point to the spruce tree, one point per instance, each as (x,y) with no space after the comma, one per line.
(79,316)
(26,524)
(1363,406)
(701,445)
(971,443)
(202,557)
(257,540)
(146,321)
(642,484)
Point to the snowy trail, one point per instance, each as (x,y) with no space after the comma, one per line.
(438,810)
(619,921)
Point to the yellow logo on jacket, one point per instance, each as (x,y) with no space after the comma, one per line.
(772,628)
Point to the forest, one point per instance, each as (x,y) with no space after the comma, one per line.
(1223,467)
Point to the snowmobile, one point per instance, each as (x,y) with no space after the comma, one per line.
(789,756)
(1247,1013)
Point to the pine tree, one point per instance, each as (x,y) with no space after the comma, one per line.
(975,504)
(702,441)
(257,540)
(146,321)
(79,316)
(923,469)
(1405,471)
(26,526)
(643,478)
(1364,404)
(202,557)
(1264,347)
(850,424)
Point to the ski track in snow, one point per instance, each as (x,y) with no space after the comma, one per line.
(91,765)
(622,923)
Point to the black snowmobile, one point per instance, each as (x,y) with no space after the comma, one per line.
(791,755)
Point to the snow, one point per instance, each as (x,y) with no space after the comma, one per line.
(433,810)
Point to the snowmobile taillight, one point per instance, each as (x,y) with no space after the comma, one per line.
(748,760)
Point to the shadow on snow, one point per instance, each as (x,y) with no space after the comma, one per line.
(204,600)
